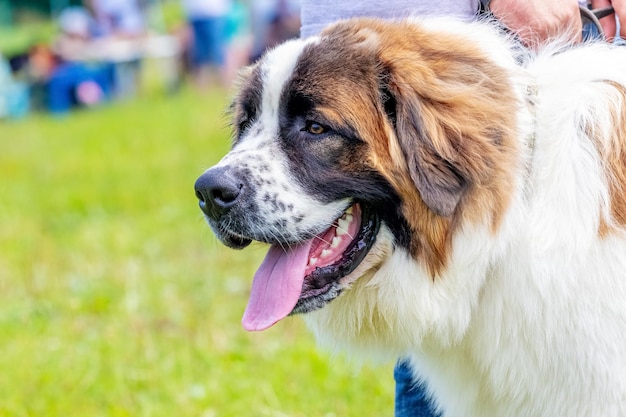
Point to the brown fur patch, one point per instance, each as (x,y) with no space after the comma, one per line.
(451,151)
(612,151)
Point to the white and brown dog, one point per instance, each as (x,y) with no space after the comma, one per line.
(429,193)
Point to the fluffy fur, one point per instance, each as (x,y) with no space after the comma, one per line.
(500,180)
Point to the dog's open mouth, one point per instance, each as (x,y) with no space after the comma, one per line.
(304,277)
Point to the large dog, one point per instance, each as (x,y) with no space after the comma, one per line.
(431,191)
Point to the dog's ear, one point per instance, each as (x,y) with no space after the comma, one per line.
(440,184)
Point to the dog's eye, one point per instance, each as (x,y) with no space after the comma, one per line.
(314,128)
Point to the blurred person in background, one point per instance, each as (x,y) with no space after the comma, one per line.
(238,40)
(120,18)
(96,56)
(119,25)
(208,22)
(273,21)
(66,75)
(14,94)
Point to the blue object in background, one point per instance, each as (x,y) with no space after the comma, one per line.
(14,95)
(62,85)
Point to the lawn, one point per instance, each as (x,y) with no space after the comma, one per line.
(116,299)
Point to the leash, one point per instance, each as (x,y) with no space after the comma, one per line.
(593,16)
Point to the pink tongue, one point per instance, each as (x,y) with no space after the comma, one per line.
(276,286)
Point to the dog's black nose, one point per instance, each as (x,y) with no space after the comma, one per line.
(217,191)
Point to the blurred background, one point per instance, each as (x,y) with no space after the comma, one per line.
(115,298)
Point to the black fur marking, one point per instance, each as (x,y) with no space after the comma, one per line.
(247,103)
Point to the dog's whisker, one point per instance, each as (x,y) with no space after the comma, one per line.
(345,232)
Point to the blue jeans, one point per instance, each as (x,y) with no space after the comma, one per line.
(411,397)
(209,41)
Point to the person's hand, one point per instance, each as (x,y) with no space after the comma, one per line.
(608,23)
(536,21)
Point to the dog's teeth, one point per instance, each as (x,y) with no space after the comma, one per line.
(342,228)
(349,218)
(325,253)
(335,242)
(347,213)
(313,261)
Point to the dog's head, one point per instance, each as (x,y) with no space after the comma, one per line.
(372,139)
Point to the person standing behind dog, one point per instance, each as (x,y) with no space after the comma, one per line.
(207,20)
(612,25)
(533,21)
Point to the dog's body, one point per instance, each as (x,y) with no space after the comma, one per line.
(428,194)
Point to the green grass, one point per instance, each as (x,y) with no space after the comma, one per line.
(116,299)
(20,38)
